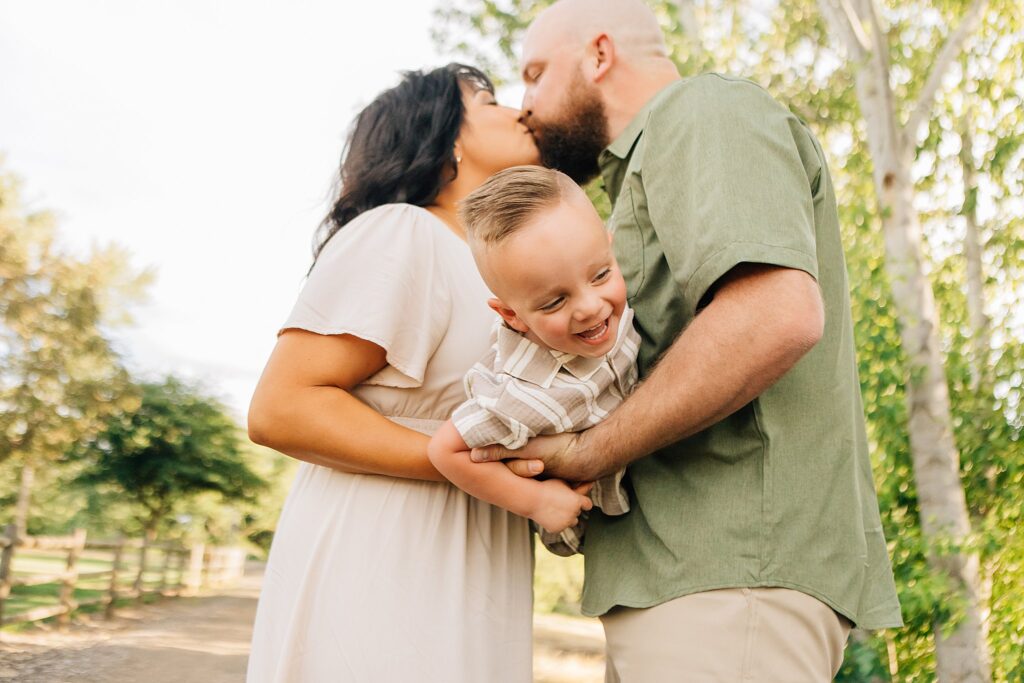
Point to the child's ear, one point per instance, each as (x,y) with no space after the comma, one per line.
(611,236)
(508,315)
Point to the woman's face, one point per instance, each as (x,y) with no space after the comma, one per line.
(492,139)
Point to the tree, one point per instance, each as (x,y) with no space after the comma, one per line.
(962,653)
(175,446)
(59,374)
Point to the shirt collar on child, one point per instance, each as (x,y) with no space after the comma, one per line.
(530,362)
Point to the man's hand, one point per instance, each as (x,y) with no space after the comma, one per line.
(560,454)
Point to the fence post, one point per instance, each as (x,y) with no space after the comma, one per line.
(179,585)
(195,568)
(112,597)
(139,584)
(6,555)
(67,586)
(165,549)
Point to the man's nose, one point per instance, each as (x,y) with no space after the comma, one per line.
(524,117)
(527,105)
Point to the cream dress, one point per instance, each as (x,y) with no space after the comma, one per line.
(374,578)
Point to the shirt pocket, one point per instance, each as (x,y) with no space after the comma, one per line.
(628,241)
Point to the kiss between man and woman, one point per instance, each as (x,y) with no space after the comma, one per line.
(682,380)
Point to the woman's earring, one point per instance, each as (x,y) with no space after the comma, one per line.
(458,158)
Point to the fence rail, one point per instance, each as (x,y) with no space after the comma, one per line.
(181,571)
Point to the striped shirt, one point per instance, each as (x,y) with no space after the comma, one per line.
(521,389)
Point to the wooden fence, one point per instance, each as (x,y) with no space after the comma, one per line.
(182,571)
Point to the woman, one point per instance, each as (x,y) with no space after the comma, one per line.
(400,577)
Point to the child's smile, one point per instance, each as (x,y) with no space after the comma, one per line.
(556,280)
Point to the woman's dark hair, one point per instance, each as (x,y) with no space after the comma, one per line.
(401,146)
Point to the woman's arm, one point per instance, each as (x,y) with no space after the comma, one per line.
(303,407)
(551,503)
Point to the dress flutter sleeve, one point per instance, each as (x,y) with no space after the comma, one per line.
(379,278)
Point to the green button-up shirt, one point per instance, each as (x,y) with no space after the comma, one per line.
(713,173)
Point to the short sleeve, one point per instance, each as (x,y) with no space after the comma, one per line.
(480,426)
(725,183)
(379,278)
(480,419)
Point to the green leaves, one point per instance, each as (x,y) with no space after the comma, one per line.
(174,446)
(59,374)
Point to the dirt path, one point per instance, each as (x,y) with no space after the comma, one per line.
(173,641)
(206,639)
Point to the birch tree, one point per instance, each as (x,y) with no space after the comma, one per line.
(962,653)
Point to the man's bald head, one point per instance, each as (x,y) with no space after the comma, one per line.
(589,66)
(630,24)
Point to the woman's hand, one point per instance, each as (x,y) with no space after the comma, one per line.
(557,506)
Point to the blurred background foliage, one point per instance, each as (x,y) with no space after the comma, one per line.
(968,188)
(83,443)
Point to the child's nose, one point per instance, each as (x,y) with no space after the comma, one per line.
(589,308)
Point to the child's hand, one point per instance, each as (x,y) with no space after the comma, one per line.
(558,505)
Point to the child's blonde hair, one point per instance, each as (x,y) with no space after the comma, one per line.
(509,199)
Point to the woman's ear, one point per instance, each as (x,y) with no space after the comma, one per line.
(508,315)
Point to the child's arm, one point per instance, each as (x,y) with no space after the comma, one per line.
(552,503)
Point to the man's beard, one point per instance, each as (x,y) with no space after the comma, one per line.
(573,145)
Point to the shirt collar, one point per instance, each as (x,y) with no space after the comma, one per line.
(622,147)
(528,361)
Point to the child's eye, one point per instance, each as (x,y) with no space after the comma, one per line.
(603,275)
(553,305)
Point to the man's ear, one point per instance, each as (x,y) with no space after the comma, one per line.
(508,315)
(600,56)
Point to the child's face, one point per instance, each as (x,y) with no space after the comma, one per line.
(557,281)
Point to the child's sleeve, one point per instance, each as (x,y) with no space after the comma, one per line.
(479,419)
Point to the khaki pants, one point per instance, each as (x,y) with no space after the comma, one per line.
(736,635)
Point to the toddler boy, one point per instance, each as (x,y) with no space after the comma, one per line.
(564,349)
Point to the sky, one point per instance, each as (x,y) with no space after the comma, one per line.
(203,137)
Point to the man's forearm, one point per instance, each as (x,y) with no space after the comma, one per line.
(756,328)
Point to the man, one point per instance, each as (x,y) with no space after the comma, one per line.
(754,542)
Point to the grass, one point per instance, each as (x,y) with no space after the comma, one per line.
(31,563)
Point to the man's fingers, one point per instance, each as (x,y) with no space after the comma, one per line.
(490,454)
(525,468)
(587,504)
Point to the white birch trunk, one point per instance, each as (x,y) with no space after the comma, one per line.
(962,656)
(981,339)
